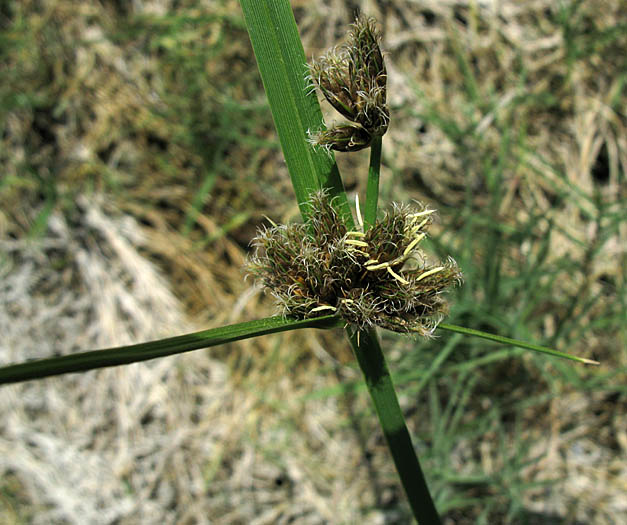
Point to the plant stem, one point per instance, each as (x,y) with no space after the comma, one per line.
(372,189)
(123,355)
(379,382)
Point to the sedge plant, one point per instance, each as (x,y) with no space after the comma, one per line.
(362,273)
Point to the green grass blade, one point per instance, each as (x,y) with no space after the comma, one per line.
(379,382)
(514,342)
(199,200)
(123,355)
(295,108)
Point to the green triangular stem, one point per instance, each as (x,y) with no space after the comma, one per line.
(372,188)
(381,388)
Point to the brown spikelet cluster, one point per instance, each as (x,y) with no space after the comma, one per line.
(377,278)
(353,79)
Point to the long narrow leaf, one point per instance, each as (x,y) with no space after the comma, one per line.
(123,355)
(514,342)
(295,108)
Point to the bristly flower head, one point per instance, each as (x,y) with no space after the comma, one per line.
(353,79)
(377,278)
(342,137)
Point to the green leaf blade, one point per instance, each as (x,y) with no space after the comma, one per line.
(83,361)
(295,109)
(515,342)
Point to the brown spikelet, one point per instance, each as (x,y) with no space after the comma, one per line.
(353,79)
(377,278)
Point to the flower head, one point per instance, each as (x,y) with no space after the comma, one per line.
(377,278)
(343,137)
(353,79)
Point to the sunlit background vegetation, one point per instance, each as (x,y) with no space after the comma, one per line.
(137,159)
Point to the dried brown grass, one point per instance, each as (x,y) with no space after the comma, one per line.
(229,436)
